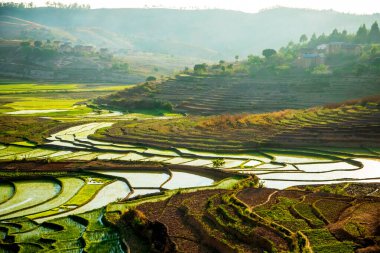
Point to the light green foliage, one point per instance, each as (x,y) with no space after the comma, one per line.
(72,230)
(322,240)
(321,70)
(94,219)
(6,191)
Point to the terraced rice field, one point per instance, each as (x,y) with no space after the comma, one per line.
(219,94)
(44,190)
(251,220)
(69,234)
(279,168)
(43,198)
(346,125)
(62,203)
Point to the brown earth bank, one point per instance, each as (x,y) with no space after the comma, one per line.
(8,169)
(45,166)
(249,219)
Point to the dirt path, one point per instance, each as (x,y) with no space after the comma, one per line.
(266,201)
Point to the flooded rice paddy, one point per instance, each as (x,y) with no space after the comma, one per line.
(38,199)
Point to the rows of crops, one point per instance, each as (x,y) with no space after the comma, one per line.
(248,219)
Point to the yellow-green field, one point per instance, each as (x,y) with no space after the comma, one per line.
(15,88)
(61,99)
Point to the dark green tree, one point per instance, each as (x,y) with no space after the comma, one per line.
(362,34)
(374,34)
(200,68)
(219,162)
(269,52)
(37,43)
(151,78)
(335,36)
(303,38)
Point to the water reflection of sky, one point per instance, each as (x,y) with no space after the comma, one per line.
(369,173)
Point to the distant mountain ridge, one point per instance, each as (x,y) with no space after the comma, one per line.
(207,34)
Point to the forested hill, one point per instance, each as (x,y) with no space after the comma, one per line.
(212,34)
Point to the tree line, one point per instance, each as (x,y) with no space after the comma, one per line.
(16,5)
(50,4)
(362,36)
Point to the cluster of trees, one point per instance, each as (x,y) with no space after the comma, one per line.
(362,36)
(200,68)
(67,6)
(283,60)
(10,5)
(16,5)
(120,66)
(35,49)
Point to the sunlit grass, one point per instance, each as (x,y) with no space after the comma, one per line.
(6,88)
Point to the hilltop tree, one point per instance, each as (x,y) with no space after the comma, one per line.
(269,52)
(374,34)
(313,40)
(335,36)
(151,78)
(200,68)
(16,5)
(362,34)
(37,43)
(236,57)
(303,38)
(254,60)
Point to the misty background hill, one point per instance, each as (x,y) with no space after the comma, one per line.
(202,34)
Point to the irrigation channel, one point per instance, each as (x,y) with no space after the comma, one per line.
(59,196)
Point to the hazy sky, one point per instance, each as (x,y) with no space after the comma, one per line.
(351,6)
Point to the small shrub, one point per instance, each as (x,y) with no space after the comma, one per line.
(219,162)
(151,78)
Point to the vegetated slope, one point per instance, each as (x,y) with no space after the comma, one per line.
(240,93)
(247,219)
(210,34)
(30,129)
(13,27)
(355,123)
(49,63)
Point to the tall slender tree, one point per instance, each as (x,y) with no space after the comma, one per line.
(374,34)
(362,34)
(303,38)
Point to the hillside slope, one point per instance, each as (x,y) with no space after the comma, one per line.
(253,220)
(212,34)
(353,124)
(240,93)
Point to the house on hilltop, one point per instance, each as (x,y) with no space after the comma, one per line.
(309,60)
(339,48)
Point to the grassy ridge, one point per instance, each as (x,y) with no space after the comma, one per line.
(210,94)
(349,124)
